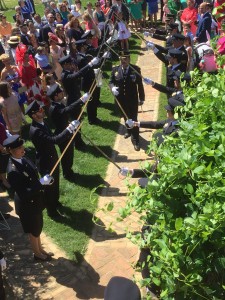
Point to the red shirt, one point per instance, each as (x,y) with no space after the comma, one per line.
(190,14)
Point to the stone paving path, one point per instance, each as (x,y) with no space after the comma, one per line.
(108,254)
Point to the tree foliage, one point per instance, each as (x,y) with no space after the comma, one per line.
(185,206)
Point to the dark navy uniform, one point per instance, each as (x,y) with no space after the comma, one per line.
(163,51)
(29,196)
(165,35)
(131,91)
(172,93)
(44,142)
(60,115)
(168,126)
(88,81)
(71,81)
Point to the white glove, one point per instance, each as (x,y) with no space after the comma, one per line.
(130,123)
(3,264)
(85,97)
(150,45)
(146,33)
(94,61)
(46,180)
(115,90)
(73,126)
(106,54)
(124,171)
(148,81)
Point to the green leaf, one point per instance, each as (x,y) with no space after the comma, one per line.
(198,170)
(110,206)
(190,188)
(164,293)
(178,223)
(156,281)
(156,269)
(215,92)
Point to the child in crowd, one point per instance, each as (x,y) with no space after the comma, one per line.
(51,84)
(189,49)
(123,32)
(43,60)
(36,92)
(187,31)
(166,10)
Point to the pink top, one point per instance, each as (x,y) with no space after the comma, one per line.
(89,26)
(189,15)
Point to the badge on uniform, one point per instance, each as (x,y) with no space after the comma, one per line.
(133,77)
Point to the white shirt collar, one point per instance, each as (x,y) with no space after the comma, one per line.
(19,160)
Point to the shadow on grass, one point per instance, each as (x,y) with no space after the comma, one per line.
(82,221)
(89,181)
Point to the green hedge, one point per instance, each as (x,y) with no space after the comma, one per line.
(185,206)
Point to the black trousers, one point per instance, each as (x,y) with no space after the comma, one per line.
(73,116)
(51,193)
(2,290)
(67,160)
(93,105)
(131,111)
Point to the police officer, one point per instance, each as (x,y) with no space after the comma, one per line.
(71,80)
(29,193)
(175,93)
(164,35)
(60,115)
(169,126)
(89,80)
(178,44)
(173,62)
(127,87)
(44,142)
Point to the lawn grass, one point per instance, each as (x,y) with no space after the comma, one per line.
(73,233)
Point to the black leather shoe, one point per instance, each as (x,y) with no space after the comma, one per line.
(137,147)
(37,258)
(127,135)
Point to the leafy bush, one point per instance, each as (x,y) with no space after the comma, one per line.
(185,206)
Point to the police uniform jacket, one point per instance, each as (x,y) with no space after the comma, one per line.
(167,38)
(44,142)
(24,180)
(60,114)
(72,83)
(130,85)
(171,70)
(168,126)
(164,89)
(161,54)
(88,75)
